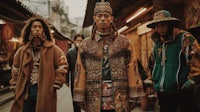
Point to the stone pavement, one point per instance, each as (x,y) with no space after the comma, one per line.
(6,95)
(64,102)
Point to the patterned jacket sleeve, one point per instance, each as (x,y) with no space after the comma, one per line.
(79,80)
(61,68)
(134,79)
(191,50)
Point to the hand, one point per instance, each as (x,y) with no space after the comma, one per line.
(13,87)
(188,85)
(147,81)
(57,84)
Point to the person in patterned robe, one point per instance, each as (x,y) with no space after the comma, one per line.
(106,75)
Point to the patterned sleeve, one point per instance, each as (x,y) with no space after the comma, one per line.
(187,43)
(194,73)
(79,80)
(134,79)
(191,49)
(61,68)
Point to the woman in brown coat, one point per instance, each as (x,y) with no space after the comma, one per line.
(38,69)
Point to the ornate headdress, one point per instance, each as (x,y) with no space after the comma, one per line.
(102,7)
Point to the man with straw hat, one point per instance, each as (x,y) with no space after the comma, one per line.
(172,52)
(107,78)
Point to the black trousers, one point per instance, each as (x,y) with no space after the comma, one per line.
(30,103)
(76,107)
(75,104)
(182,101)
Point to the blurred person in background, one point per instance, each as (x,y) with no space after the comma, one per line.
(106,76)
(148,101)
(71,58)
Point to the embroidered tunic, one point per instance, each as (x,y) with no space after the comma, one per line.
(106,86)
(123,83)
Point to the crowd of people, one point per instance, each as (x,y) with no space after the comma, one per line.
(103,71)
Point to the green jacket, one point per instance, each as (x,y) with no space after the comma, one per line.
(171,66)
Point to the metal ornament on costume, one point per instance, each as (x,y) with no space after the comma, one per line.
(102,7)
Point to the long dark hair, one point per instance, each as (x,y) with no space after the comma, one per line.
(27,28)
(79,35)
(112,30)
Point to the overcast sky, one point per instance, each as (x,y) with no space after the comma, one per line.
(76,8)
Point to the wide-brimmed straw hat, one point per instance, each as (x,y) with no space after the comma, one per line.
(162,16)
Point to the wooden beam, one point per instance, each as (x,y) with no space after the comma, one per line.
(12,10)
(132,7)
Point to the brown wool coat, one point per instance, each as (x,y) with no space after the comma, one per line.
(51,57)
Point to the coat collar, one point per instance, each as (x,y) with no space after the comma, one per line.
(158,41)
(45,44)
(26,48)
(99,38)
